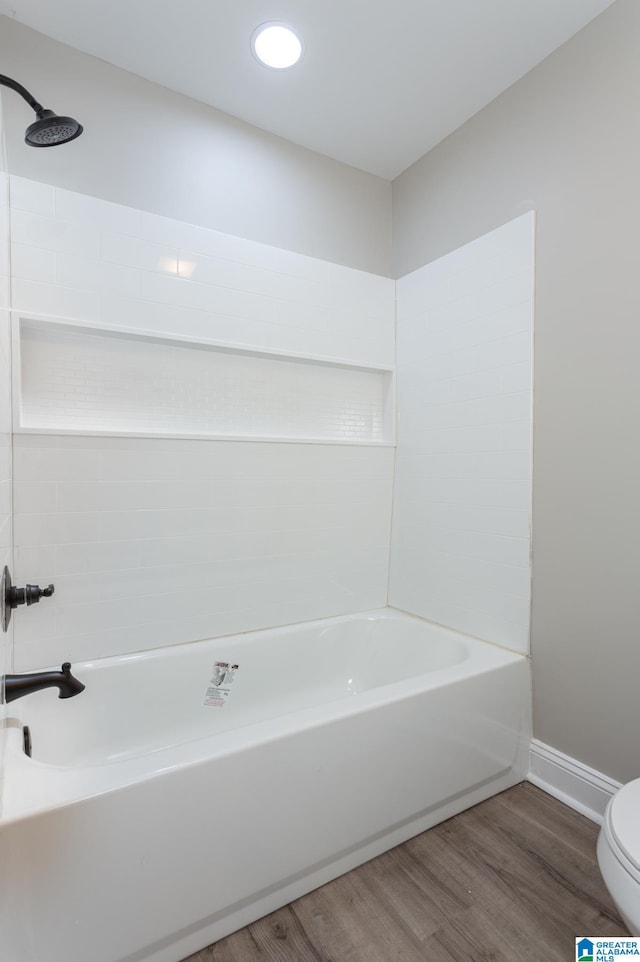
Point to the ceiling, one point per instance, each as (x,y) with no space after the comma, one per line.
(381,82)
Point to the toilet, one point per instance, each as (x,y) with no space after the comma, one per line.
(619,853)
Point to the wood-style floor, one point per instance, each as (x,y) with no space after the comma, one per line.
(514,879)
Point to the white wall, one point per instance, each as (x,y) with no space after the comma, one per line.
(156,150)
(462,495)
(85,259)
(154,541)
(565,141)
(5,424)
(158,540)
(82,379)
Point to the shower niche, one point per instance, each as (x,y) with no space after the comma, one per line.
(78,378)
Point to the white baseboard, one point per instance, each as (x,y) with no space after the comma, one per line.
(570,781)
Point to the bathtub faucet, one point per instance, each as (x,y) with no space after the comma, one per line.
(15,686)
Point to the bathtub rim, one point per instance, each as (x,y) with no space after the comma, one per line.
(28,777)
(386,612)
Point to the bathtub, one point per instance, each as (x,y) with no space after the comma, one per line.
(190,790)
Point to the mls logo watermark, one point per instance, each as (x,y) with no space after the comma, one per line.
(584,950)
(596,949)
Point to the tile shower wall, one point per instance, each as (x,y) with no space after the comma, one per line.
(84,259)
(75,380)
(5,381)
(6,652)
(155,541)
(5,398)
(462,498)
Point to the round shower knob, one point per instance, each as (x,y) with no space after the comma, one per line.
(12,597)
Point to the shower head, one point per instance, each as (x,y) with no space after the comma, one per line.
(49,129)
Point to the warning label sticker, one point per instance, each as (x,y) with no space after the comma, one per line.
(220,685)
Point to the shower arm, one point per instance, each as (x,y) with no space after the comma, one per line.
(19,89)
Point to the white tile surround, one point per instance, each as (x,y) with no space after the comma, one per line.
(6,639)
(84,259)
(77,379)
(462,498)
(5,379)
(154,541)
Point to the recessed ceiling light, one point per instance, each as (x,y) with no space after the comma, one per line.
(276,45)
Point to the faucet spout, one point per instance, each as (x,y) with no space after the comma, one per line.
(15,686)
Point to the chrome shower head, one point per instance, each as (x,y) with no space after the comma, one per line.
(49,130)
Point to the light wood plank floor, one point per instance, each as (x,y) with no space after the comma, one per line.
(514,879)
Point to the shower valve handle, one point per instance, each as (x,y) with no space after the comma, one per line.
(29,595)
(12,597)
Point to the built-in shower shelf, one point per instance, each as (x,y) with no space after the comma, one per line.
(84,379)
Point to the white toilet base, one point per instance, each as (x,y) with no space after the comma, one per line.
(623,887)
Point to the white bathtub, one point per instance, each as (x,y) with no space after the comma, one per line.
(148,824)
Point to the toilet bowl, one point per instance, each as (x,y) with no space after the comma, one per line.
(619,853)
